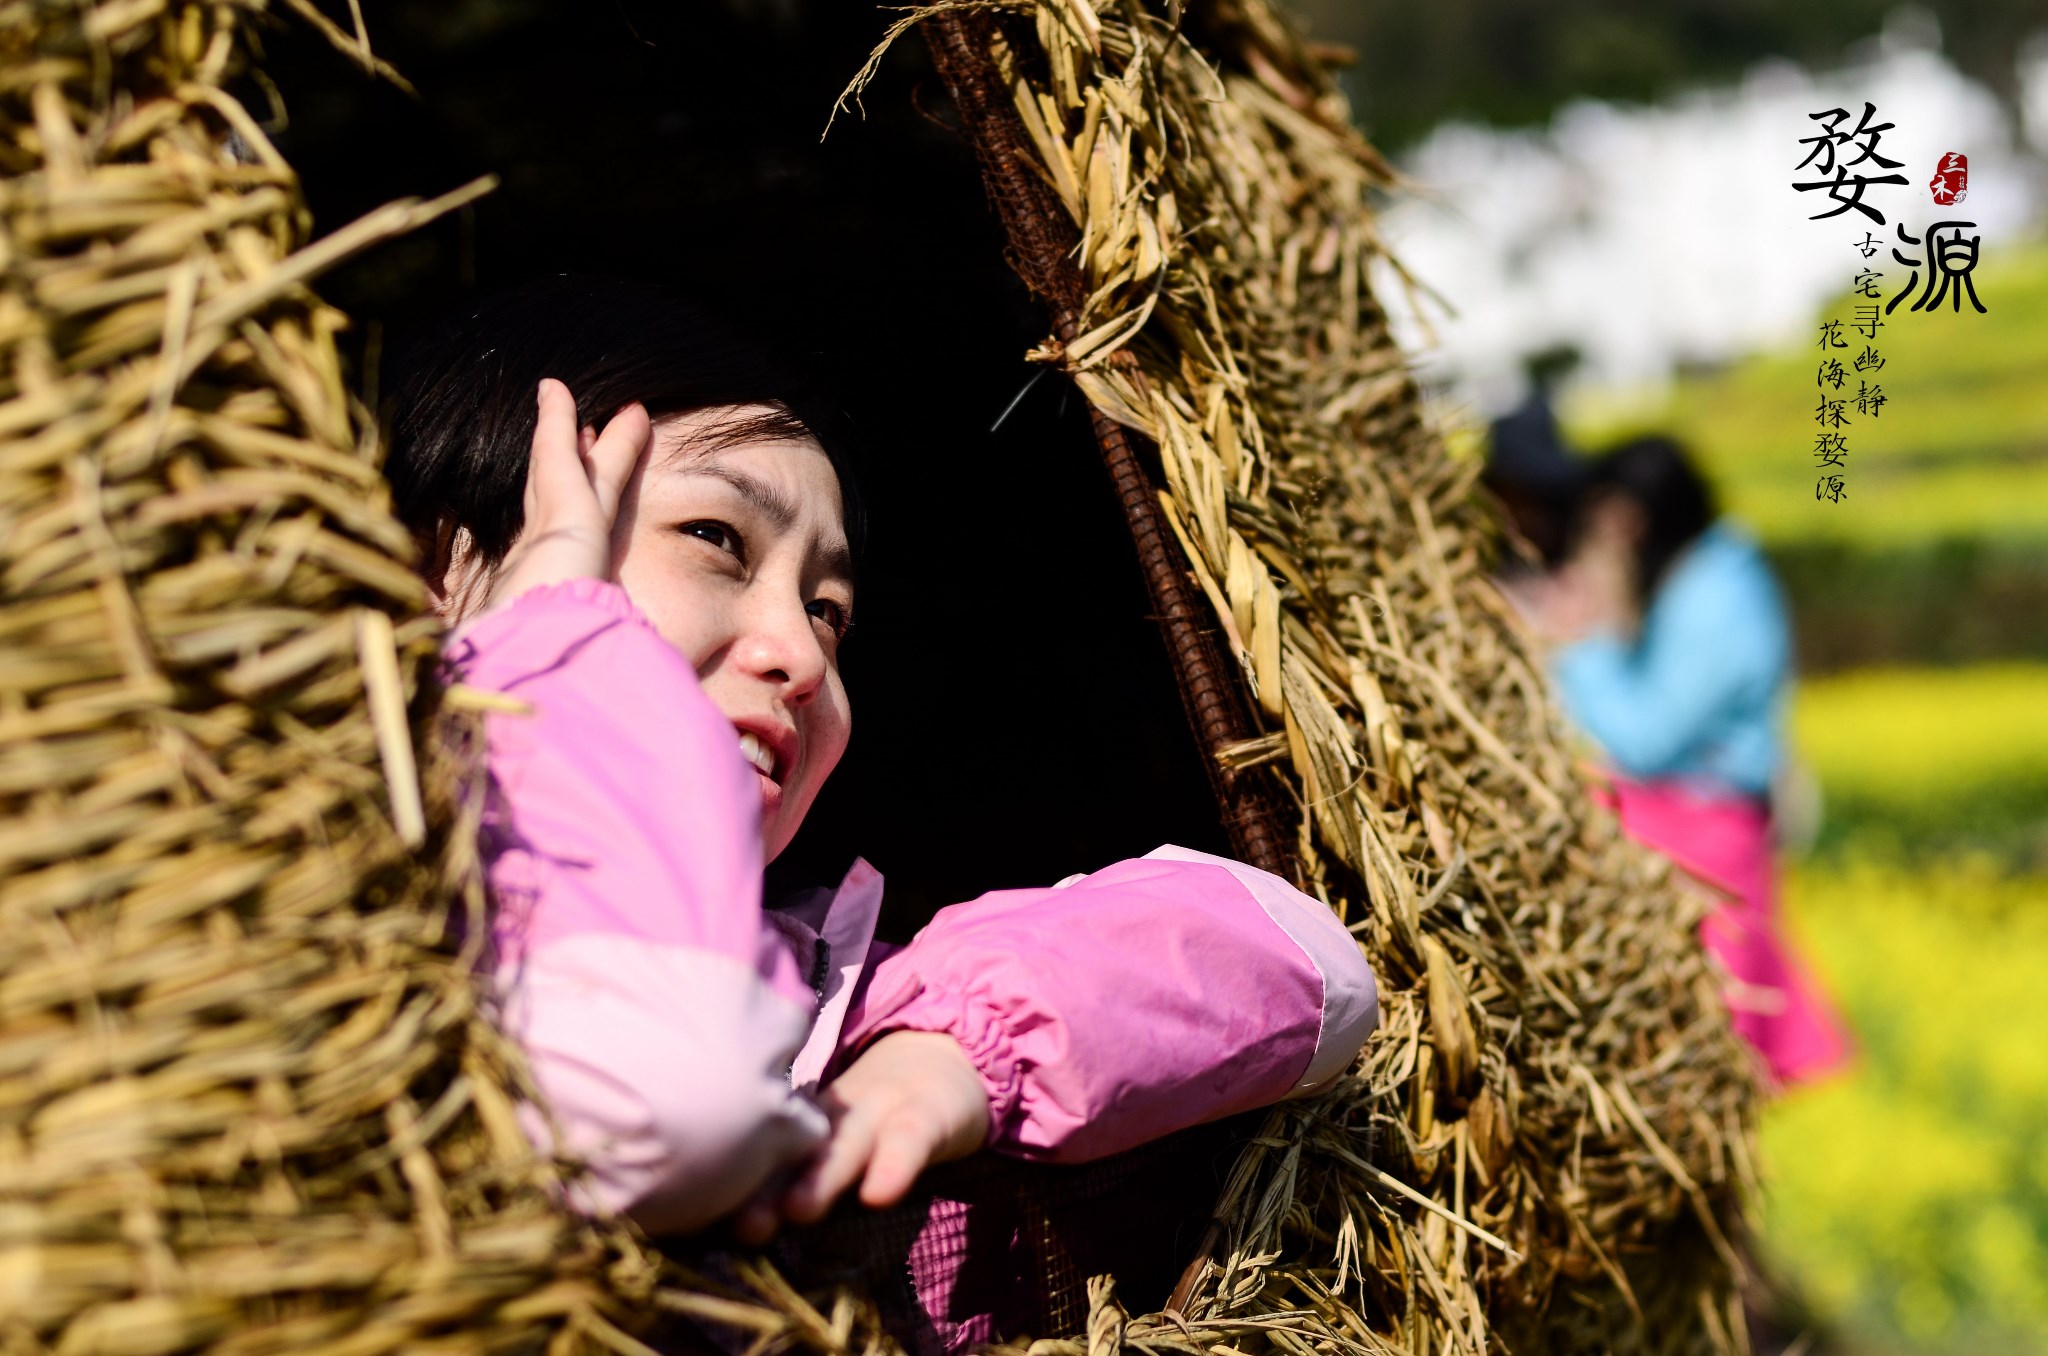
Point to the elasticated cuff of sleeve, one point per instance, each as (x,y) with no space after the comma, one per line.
(978,1026)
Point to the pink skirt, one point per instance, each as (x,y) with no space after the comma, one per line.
(1725,842)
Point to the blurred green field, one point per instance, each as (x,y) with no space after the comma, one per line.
(1908,1198)
(1960,448)
(1919,764)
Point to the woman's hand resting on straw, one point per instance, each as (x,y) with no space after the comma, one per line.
(574,482)
(910,1100)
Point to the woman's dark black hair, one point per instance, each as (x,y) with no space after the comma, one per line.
(464,400)
(1677,505)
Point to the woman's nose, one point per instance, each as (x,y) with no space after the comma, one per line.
(781,647)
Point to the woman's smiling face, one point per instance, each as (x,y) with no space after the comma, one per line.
(738,555)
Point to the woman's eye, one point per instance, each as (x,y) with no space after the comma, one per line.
(717,534)
(835,615)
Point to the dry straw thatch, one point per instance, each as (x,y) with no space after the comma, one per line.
(1548,1142)
(249,1100)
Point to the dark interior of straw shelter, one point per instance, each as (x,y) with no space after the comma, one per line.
(1015,713)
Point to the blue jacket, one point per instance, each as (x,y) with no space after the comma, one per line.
(1700,695)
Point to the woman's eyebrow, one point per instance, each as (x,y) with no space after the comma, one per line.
(837,561)
(771,503)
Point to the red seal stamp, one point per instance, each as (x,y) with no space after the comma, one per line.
(1951,182)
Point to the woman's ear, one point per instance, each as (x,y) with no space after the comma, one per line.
(435,550)
(458,579)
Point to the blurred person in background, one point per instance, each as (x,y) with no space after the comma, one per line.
(1674,653)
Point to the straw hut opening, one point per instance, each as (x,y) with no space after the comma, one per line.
(1015,716)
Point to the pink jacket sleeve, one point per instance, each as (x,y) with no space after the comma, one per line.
(1153,995)
(623,852)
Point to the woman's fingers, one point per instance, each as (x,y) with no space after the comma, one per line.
(838,1166)
(903,1149)
(567,531)
(884,1154)
(555,479)
(911,1099)
(615,455)
(573,471)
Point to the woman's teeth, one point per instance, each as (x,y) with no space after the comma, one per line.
(758,753)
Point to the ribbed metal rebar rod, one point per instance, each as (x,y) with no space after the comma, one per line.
(1042,239)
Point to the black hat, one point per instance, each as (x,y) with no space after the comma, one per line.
(1528,452)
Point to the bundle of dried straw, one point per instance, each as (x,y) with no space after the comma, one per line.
(249,1098)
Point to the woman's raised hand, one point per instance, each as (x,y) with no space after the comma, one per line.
(574,482)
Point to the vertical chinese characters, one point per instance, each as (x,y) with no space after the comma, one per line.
(1941,267)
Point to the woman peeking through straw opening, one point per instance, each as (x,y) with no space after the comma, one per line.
(645,531)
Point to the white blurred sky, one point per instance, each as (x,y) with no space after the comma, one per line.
(1652,236)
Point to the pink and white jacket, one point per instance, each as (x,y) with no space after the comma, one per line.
(676,1032)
